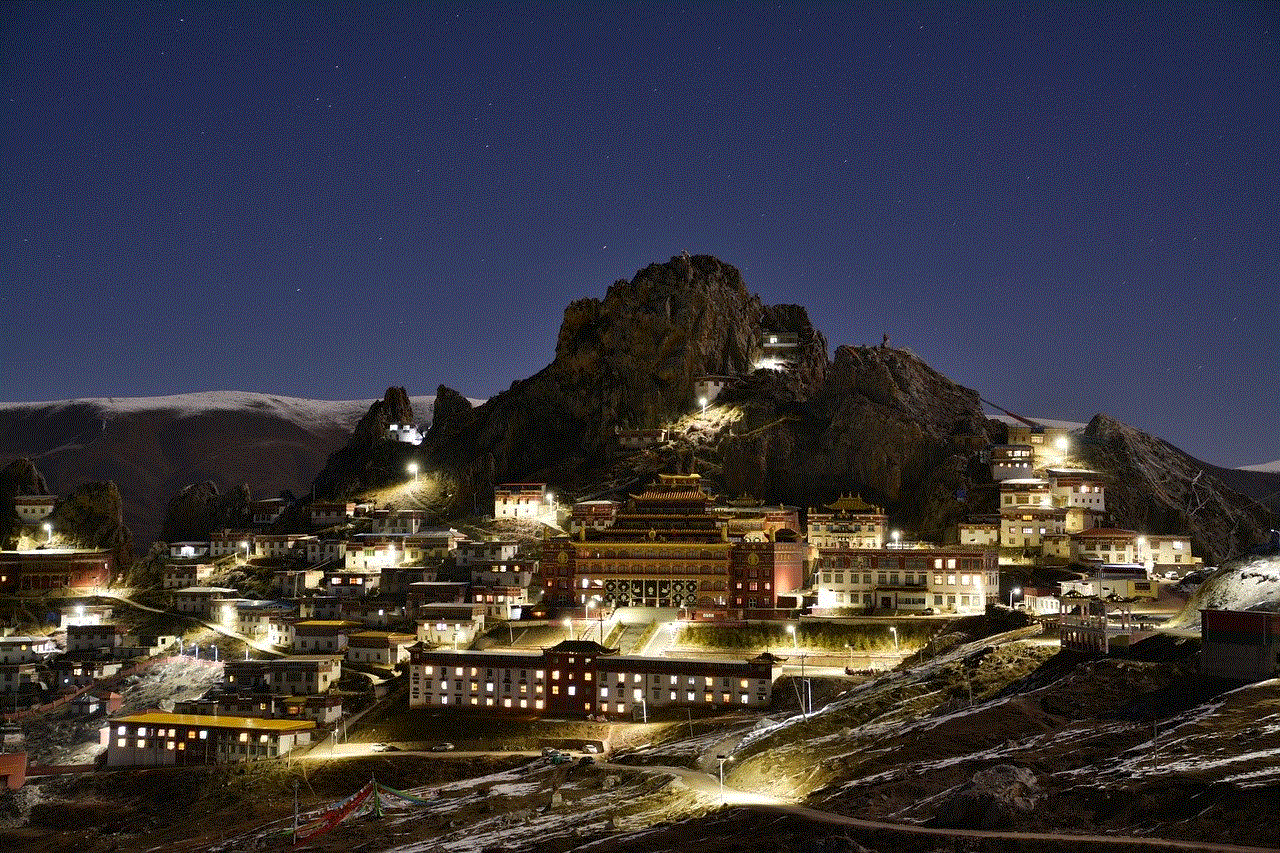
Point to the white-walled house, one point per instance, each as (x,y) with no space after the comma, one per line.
(33,509)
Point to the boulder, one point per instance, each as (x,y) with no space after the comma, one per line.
(992,799)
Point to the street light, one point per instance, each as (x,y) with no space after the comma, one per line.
(849,646)
(795,643)
(413,469)
(245,546)
(568,626)
(702,401)
(722,759)
(48,532)
(896,535)
(1017,590)
(893,629)
(644,707)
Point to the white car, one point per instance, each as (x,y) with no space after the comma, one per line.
(591,747)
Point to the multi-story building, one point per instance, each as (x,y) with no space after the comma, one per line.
(379,648)
(23,649)
(94,639)
(349,583)
(372,555)
(70,673)
(849,523)
(593,514)
(955,580)
(268,510)
(188,550)
(295,675)
(1010,461)
(747,518)
(182,575)
(33,509)
(324,550)
(669,550)
(444,624)
(322,636)
(979,533)
(581,676)
(281,544)
(471,552)
(1026,527)
(224,543)
(521,500)
(199,600)
(1048,444)
(329,513)
(156,739)
(393,522)
(54,568)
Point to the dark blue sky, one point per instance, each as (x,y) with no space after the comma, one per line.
(1071,209)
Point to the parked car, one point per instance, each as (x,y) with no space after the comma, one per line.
(443,747)
(590,747)
(548,751)
(378,747)
(586,761)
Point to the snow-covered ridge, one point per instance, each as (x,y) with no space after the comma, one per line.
(300,410)
(1049,422)
(1268,467)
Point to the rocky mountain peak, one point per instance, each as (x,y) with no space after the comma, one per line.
(394,408)
(1157,487)
(199,509)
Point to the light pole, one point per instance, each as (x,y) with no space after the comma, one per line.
(644,708)
(1017,590)
(893,629)
(849,646)
(896,535)
(413,469)
(722,759)
(48,532)
(568,627)
(795,643)
(215,651)
(702,401)
(245,546)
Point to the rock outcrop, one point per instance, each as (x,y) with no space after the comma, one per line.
(627,360)
(881,424)
(92,517)
(992,799)
(200,509)
(1156,487)
(19,477)
(371,458)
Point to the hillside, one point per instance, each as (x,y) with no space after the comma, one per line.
(152,447)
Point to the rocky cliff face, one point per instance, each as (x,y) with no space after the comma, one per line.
(200,509)
(628,360)
(1157,487)
(370,459)
(881,424)
(92,517)
(19,477)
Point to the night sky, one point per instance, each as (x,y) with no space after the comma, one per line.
(1070,209)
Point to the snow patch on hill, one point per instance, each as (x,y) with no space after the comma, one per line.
(1249,583)
(1075,426)
(309,414)
(1268,467)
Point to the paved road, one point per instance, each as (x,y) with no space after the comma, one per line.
(709,784)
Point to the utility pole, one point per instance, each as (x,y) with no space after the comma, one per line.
(295,811)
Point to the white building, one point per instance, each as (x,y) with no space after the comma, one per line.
(473,551)
(33,509)
(521,500)
(397,521)
(406,433)
(953,580)
(198,600)
(188,550)
(24,649)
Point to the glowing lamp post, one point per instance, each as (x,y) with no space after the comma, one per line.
(795,642)
(245,546)
(896,536)
(413,469)
(48,532)
(893,629)
(849,648)
(568,627)
(722,759)
(702,401)
(1017,590)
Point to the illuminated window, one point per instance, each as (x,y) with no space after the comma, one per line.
(141,743)
(120,742)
